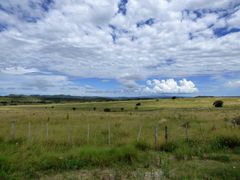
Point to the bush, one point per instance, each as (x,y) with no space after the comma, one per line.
(236,120)
(142,146)
(174,97)
(73,108)
(107,110)
(122,109)
(94,108)
(222,142)
(169,147)
(138,104)
(218,103)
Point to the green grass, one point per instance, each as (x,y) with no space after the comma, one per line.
(211,150)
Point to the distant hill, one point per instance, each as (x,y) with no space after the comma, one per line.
(13,99)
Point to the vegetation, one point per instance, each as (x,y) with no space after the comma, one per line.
(37,141)
(218,103)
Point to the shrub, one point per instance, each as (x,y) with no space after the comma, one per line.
(73,108)
(122,109)
(227,142)
(169,147)
(138,104)
(236,120)
(174,97)
(94,108)
(107,110)
(142,146)
(218,103)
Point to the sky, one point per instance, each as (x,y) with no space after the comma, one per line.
(120,47)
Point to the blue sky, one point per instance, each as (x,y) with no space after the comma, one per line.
(120,48)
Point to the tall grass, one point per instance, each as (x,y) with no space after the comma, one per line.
(79,139)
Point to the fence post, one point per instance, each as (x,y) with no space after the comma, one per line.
(29,132)
(88,133)
(69,134)
(109,134)
(156,137)
(186,131)
(166,134)
(139,133)
(47,131)
(13,130)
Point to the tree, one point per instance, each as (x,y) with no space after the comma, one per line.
(218,103)
(107,110)
(138,104)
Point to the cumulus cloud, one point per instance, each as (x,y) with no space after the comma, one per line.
(233,84)
(91,39)
(18,70)
(170,86)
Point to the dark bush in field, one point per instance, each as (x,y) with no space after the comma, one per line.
(218,103)
(107,110)
(236,121)
(122,109)
(174,97)
(143,146)
(52,107)
(227,142)
(4,103)
(73,108)
(94,108)
(169,147)
(138,104)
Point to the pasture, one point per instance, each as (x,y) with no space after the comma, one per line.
(160,138)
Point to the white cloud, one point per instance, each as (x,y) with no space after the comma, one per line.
(233,84)
(170,86)
(18,70)
(74,39)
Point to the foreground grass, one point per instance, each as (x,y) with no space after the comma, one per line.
(215,159)
(77,143)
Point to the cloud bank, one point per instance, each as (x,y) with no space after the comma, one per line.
(170,86)
(126,40)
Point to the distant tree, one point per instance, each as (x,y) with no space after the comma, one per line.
(4,103)
(94,108)
(138,104)
(218,103)
(73,108)
(52,107)
(107,110)
(122,109)
(174,97)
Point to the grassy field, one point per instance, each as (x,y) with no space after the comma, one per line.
(81,141)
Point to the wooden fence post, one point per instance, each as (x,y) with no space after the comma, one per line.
(29,132)
(47,131)
(69,134)
(156,137)
(186,131)
(13,130)
(109,134)
(166,134)
(139,133)
(88,133)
